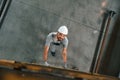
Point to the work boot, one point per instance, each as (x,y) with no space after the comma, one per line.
(53,54)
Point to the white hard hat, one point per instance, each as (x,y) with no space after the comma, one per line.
(63,30)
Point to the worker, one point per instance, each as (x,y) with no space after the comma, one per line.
(53,40)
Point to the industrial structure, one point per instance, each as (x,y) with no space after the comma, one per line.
(94,35)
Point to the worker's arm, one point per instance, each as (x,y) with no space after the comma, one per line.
(45,53)
(64,54)
(46,48)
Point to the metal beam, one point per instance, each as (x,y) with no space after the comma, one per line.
(53,70)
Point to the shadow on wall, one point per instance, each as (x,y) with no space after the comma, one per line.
(4,5)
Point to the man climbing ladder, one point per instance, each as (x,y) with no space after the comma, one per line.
(56,39)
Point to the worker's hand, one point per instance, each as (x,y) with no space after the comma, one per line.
(65,65)
(46,63)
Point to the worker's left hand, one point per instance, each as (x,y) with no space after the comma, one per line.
(46,63)
(65,65)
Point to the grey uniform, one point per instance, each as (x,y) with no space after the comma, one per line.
(52,42)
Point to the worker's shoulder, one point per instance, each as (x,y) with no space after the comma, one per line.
(52,33)
(65,39)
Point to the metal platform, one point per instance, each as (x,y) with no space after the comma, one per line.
(13,70)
